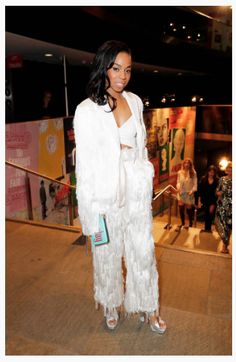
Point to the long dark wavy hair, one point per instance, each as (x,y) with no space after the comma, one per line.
(215,177)
(99,82)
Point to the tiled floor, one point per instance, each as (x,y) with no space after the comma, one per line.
(50,308)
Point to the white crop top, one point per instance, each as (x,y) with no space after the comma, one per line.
(128,133)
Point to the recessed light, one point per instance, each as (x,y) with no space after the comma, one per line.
(156,71)
(48,55)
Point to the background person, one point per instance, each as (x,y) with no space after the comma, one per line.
(43,199)
(46,105)
(115,179)
(207,196)
(223,220)
(186,187)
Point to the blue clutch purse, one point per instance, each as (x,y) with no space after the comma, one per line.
(101,237)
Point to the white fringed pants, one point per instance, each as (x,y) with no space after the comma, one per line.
(130,233)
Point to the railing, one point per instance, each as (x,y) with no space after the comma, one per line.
(63,203)
(170,191)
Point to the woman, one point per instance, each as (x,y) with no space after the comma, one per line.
(186,186)
(223,221)
(207,196)
(115,180)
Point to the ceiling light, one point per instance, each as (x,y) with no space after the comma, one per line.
(223,164)
(171,24)
(48,55)
(183,27)
(156,71)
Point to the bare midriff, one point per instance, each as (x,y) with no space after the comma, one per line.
(124,146)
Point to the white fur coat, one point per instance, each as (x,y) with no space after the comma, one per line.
(98,157)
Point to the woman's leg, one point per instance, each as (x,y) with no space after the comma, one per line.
(190,212)
(222,227)
(142,292)
(108,280)
(211,216)
(182,213)
(142,277)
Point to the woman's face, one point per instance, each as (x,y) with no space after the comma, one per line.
(211,173)
(186,165)
(119,74)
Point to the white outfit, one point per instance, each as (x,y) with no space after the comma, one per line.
(117,183)
(127,133)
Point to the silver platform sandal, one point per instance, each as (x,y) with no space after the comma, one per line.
(156,324)
(112,318)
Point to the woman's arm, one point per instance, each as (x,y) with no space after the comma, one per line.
(178,182)
(218,188)
(85,171)
(194,188)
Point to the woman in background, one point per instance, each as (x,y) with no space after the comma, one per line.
(223,220)
(186,186)
(207,196)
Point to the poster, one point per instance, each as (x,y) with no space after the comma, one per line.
(51,155)
(170,139)
(21,149)
(50,201)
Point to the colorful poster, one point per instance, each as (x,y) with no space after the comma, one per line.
(50,201)
(21,149)
(51,148)
(164,163)
(178,136)
(170,138)
(182,125)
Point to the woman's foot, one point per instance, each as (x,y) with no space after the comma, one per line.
(224,249)
(112,318)
(178,228)
(157,324)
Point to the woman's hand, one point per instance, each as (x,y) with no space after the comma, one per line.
(219,194)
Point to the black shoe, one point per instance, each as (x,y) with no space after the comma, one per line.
(178,228)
